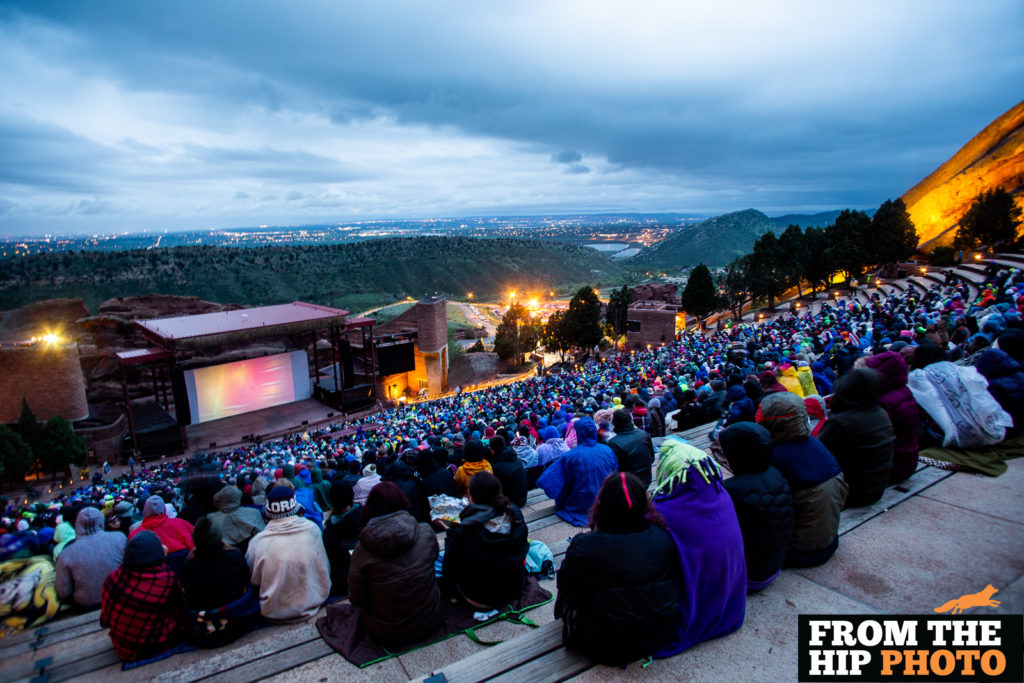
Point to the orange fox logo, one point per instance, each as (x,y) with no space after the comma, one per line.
(982,598)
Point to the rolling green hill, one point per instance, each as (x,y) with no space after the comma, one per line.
(714,242)
(354,276)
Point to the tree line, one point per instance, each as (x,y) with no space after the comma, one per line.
(28,445)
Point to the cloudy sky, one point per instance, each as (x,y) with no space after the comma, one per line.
(151,115)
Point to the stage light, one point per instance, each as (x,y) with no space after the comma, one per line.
(50,338)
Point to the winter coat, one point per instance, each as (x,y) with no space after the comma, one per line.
(340,534)
(762,498)
(236,524)
(484,555)
(289,564)
(822,382)
(466,472)
(440,481)
(552,448)
(526,453)
(859,435)
(789,379)
(634,452)
(214,581)
(640,418)
(142,607)
(904,413)
(86,562)
(392,579)
(1005,383)
(401,475)
(509,470)
(814,476)
(174,533)
(321,488)
(806,378)
(616,596)
(656,418)
(574,479)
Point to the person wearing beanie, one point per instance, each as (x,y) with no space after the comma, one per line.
(763,501)
(366,483)
(235,524)
(632,447)
(142,601)
(83,565)
(341,529)
(474,460)
(288,560)
(175,534)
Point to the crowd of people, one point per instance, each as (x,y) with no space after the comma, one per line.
(813,413)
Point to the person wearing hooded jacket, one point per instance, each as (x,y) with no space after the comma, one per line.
(173,532)
(1005,383)
(762,498)
(392,578)
(898,401)
(814,476)
(475,460)
(632,447)
(85,563)
(574,479)
(552,448)
(509,470)
(235,524)
(288,560)
(484,553)
(859,435)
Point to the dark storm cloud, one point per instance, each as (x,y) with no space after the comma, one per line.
(801,105)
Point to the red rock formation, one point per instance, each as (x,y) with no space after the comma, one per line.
(993,158)
(655,292)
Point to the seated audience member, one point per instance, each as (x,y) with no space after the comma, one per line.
(175,534)
(235,524)
(574,479)
(526,453)
(392,578)
(616,595)
(288,560)
(362,488)
(85,564)
(859,436)
(321,488)
(552,448)
(400,474)
(219,600)
(632,447)
(436,479)
(904,413)
(340,532)
(700,518)
(142,601)
(763,501)
(814,476)
(509,470)
(656,417)
(1005,383)
(474,460)
(484,553)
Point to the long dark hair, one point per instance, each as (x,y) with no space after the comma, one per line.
(384,499)
(485,489)
(622,506)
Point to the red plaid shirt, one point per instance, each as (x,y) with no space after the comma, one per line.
(143,608)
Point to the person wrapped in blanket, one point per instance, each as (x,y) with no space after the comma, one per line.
(142,601)
(28,596)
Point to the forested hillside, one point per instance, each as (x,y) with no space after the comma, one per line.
(348,275)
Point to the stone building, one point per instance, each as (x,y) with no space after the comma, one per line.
(650,323)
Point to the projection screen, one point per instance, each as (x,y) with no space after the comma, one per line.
(230,389)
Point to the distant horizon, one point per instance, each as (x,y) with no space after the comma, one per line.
(363,221)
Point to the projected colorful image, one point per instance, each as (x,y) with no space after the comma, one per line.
(233,388)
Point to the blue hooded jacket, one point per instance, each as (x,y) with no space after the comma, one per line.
(574,479)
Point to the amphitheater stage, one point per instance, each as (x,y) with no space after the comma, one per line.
(267,423)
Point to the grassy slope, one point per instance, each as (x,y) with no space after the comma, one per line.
(714,242)
(354,276)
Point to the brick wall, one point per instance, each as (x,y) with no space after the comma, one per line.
(657,326)
(49,376)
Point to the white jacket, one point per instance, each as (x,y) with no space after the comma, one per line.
(289,564)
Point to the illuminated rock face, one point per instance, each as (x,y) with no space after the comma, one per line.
(993,158)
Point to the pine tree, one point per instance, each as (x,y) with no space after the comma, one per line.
(15,455)
(582,319)
(700,298)
(993,219)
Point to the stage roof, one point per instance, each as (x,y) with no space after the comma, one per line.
(241,324)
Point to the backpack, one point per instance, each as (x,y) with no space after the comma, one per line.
(539,560)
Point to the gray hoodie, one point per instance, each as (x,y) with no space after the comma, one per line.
(85,564)
(236,523)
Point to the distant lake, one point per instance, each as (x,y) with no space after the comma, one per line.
(606,246)
(626,253)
